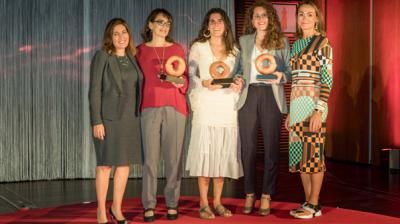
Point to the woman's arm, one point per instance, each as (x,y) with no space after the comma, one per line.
(95,90)
(193,67)
(325,59)
(284,66)
(184,88)
(95,87)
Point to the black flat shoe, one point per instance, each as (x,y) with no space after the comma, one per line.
(172,216)
(149,218)
(115,218)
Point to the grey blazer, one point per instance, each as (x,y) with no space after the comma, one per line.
(282,57)
(105,91)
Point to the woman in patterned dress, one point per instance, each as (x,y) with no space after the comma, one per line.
(311,59)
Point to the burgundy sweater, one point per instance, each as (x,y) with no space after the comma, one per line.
(157,93)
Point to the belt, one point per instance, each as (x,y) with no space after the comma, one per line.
(259,84)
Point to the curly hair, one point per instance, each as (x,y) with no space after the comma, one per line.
(229,40)
(147,34)
(320,25)
(274,38)
(108,45)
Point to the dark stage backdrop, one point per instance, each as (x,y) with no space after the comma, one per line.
(364,115)
(45,51)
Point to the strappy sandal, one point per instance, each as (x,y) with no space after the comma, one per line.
(206,213)
(293,211)
(249,204)
(174,215)
(148,218)
(222,211)
(312,210)
(265,211)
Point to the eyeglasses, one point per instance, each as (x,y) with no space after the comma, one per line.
(260,16)
(162,23)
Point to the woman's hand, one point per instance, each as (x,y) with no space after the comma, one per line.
(237,85)
(99,131)
(178,85)
(207,84)
(287,122)
(316,121)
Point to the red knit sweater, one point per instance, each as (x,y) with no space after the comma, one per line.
(157,93)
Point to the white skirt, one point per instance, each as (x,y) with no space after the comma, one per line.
(214,151)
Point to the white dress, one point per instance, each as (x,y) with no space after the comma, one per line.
(214,149)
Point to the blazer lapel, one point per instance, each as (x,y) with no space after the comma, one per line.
(249,46)
(116,72)
(139,83)
(135,65)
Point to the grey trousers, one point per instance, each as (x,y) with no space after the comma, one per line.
(163,131)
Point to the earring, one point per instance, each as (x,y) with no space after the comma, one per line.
(226,33)
(316,26)
(207,34)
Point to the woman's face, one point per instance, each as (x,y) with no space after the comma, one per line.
(120,37)
(216,25)
(306,18)
(160,26)
(260,19)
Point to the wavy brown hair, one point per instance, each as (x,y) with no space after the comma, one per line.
(274,38)
(320,23)
(147,34)
(229,39)
(108,45)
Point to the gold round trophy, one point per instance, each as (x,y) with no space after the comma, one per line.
(174,67)
(266,66)
(220,73)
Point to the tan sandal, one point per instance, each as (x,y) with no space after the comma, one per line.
(249,204)
(206,213)
(222,211)
(265,211)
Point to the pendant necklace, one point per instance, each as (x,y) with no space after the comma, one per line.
(160,61)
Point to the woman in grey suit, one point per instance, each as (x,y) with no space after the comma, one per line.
(114,95)
(261,102)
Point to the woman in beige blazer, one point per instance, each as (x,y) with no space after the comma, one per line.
(262,103)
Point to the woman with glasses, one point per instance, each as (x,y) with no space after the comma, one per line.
(164,112)
(114,97)
(214,149)
(262,100)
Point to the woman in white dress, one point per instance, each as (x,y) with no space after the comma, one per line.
(214,149)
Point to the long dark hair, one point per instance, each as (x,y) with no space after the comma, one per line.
(147,34)
(229,39)
(320,23)
(108,45)
(274,37)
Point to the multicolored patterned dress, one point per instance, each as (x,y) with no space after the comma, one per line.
(311,60)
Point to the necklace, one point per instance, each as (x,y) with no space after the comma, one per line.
(214,52)
(123,60)
(160,60)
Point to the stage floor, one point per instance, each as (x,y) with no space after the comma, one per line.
(347,185)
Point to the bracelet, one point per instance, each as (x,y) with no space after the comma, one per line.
(318,111)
